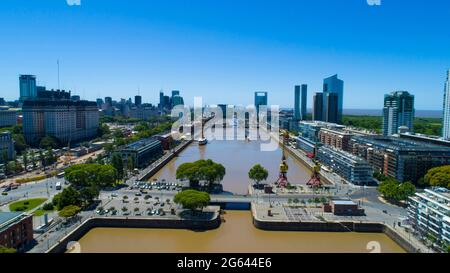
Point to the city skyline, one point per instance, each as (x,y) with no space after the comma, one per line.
(226,59)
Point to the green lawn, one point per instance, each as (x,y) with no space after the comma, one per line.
(26,205)
(41,212)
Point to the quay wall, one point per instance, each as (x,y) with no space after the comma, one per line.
(154,170)
(369,227)
(121,222)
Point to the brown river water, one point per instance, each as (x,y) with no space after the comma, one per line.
(237,234)
(238,157)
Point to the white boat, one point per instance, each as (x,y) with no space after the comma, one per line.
(202,141)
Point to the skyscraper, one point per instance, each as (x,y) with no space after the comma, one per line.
(260,99)
(398,111)
(27,84)
(446,118)
(318,106)
(301,93)
(175,93)
(161,100)
(137,100)
(332,105)
(334,85)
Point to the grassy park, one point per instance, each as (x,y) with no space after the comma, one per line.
(26,205)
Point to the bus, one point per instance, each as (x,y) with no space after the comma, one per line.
(58,186)
(60,175)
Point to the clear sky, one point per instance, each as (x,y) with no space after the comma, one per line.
(224,50)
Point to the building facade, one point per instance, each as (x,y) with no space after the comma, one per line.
(339,139)
(16,230)
(27,86)
(348,166)
(260,100)
(301,94)
(8,117)
(446,116)
(68,121)
(334,85)
(399,158)
(143,152)
(6,146)
(331,113)
(309,135)
(318,107)
(429,213)
(398,111)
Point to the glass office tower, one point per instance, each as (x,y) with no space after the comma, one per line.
(334,85)
(301,93)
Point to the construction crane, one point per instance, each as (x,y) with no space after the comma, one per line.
(315,181)
(282,177)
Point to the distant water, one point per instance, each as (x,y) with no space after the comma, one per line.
(376,112)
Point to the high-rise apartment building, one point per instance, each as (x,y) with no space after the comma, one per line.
(301,93)
(446,117)
(398,112)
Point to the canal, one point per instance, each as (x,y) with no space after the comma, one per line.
(237,157)
(236,234)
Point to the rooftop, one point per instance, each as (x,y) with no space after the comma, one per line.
(7,217)
(141,144)
(402,144)
(343,202)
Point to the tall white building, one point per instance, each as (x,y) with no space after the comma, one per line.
(446,119)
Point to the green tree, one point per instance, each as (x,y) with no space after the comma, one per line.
(50,157)
(85,175)
(69,196)
(5,157)
(201,170)
(49,142)
(130,164)
(258,173)
(69,211)
(103,130)
(33,159)
(25,161)
(19,143)
(394,191)
(88,194)
(117,163)
(42,159)
(18,167)
(406,190)
(192,199)
(10,167)
(439,177)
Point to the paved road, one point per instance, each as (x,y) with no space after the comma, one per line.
(40,189)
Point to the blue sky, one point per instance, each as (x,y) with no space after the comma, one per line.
(224,50)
